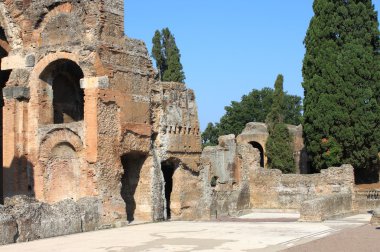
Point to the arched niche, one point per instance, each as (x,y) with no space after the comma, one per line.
(261,150)
(62,99)
(60,158)
(62,174)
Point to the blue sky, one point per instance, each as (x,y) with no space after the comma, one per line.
(228,47)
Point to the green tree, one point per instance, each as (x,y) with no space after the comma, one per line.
(158,54)
(210,135)
(341,72)
(167,56)
(253,107)
(279,144)
(279,149)
(276,114)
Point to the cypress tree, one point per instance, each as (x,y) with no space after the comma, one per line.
(174,71)
(279,144)
(167,56)
(279,149)
(341,72)
(157,53)
(276,115)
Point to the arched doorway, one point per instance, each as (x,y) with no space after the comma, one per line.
(168,168)
(261,149)
(67,102)
(4,76)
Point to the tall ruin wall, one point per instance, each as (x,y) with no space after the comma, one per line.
(84,114)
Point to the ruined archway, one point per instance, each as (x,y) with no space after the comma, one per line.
(261,150)
(132,166)
(63,102)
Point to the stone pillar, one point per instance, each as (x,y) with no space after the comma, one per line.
(16,178)
(91,88)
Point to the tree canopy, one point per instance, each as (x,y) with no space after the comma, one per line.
(167,56)
(341,72)
(253,107)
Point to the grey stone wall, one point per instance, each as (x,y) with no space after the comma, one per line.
(24,219)
(366,200)
(226,170)
(326,207)
(272,189)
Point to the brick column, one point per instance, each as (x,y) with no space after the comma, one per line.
(15,177)
(91,88)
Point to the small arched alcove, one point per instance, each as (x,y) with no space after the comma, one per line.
(261,150)
(62,100)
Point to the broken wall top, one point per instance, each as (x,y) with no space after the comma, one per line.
(61,22)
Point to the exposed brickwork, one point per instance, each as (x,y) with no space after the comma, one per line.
(70,141)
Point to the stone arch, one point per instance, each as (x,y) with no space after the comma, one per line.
(60,155)
(66,102)
(36,83)
(261,150)
(61,25)
(56,137)
(63,8)
(34,105)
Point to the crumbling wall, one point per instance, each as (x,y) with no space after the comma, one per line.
(226,170)
(272,189)
(116,75)
(256,134)
(365,200)
(234,182)
(326,207)
(24,219)
(176,144)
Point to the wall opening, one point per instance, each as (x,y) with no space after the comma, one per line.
(260,148)
(67,99)
(132,165)
(168,168)
(4,76)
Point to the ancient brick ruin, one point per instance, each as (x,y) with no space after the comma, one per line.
(89,131)
(84,116)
